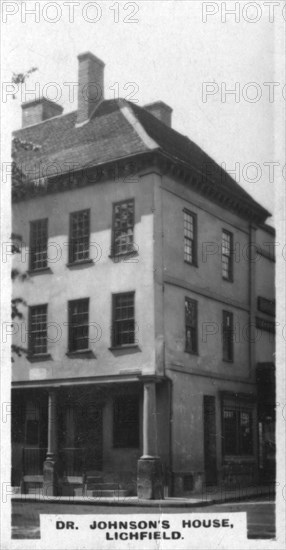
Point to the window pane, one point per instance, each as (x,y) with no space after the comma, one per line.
(230,432)
(227,336)
(123,227)
(189,225)
(123,319)
(79,236)
(237,431)
(245,432)
(191,325)
(226,244)
(38,330)
(189,237)
(78,325)
(38,244)
(225,267)
(226,258)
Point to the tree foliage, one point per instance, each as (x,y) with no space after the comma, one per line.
(20,78)
(18,180)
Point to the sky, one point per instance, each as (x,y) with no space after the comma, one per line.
(186,53)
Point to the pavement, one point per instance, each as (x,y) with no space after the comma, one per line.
(208,496)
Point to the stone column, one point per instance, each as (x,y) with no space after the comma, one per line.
(50,485)
(149,472)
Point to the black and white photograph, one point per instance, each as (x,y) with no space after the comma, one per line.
(143,260)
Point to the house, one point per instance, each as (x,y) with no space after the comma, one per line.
(144,302)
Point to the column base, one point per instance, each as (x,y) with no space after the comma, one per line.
(50,475)
(150,479)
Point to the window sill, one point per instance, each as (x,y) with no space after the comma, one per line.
(125,347)
(192,352)
(193,264)
(40,271)
(227,280)
(39,358)
(118,447)
(116,258)
(88,261)
(228,361)
(239,459)
(85,354)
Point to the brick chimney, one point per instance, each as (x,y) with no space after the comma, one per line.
(37,110)
(91,85)
(160,110)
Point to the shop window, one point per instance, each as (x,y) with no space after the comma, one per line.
(237,431)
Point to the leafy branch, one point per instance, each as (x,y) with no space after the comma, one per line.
(20,78)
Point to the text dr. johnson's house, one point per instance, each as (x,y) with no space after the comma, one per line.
(149,307)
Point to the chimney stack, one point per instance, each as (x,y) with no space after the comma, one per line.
(37,110)
(160,110)
(91,82)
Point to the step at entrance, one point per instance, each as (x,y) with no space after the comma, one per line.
(96,486)
(32,484)
(107,493)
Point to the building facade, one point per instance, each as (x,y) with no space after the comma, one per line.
(148,321)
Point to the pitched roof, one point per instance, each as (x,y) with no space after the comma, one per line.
(118,129)
(63,145)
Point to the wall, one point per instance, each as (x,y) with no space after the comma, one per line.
(265,287)
(204,283)
(211,220)
(97,281)
(120,464)
(187,426)
(194,375)
(209,358)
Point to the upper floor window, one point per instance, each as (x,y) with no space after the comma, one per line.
(191,325)
(227,333)
(190,237)
(123,227)
(79,236)
(123,325)
(227,256)
(78,325)
(38,244)
(38,333)
(237,433)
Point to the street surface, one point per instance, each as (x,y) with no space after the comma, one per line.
(26,515)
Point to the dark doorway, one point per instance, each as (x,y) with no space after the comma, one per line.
(80,433)
(210,440)
(36,433)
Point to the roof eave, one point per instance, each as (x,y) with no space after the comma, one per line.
(259,211)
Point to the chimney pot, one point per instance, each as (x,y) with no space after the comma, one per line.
(91,85)
(160,110)
(37,110)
